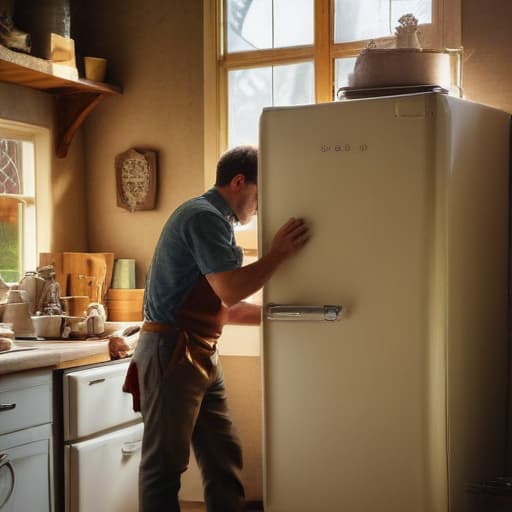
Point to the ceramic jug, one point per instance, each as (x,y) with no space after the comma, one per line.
(33,285)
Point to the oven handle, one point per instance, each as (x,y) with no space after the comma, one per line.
(130,447)
(4,461)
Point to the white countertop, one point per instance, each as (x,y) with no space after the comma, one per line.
(28,354)
(236,340)
(51,353)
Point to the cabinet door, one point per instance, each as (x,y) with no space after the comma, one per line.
(30,462)
(25,400)
(102,472)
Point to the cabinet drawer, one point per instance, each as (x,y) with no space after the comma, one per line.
(94,400)
(25,400)
(102,472)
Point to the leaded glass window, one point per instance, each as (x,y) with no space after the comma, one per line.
(17,205)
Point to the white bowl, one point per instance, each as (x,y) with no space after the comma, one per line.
(387,67)
(48,326)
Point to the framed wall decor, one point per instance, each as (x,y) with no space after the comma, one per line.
(136,179)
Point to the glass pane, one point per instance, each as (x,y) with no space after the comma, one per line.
(10,255)
(264,24)
(422,10)
(249,25)
(294,84)
(355,20)
(293,23)
(250,90)
(343,68)
(11,175)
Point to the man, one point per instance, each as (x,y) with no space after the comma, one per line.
(195,285)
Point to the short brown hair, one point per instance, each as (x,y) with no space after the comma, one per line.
(238,160)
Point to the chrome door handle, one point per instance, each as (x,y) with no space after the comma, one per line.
(7,407)
(5,462)
(130,447)
(96,381)
(327,312)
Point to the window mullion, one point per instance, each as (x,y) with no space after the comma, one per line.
(20,197)
(267,57)
(323,42)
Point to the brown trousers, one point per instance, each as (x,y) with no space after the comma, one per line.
(181,406)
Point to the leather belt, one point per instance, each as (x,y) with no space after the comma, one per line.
(160,327)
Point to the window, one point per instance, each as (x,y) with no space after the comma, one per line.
(262,53)
(17,205)
(287,52)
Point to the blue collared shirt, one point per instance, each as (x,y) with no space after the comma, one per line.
(197,239)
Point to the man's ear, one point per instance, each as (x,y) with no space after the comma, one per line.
(237,181)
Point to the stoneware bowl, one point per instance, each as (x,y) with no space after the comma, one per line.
(48,326)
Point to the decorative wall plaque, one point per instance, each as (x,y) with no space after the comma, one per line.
(136,179)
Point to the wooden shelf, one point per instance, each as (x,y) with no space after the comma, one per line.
(75,98)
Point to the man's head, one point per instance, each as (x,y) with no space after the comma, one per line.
(238,160)
(237,181)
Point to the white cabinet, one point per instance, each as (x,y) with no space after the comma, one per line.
(25,433)
(28,452)
(102,437)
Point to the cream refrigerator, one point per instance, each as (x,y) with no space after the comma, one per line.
(385,340)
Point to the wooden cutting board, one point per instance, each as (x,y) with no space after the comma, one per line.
(82,284)
(95,270)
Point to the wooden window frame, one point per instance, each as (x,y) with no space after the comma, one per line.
(444,32)
(40,137)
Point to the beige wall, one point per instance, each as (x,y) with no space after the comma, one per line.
(487,41)
(62,208)
(155,52)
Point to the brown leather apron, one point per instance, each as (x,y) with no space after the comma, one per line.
(199,323)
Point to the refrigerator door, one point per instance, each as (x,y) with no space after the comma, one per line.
(364,413)
(347,402)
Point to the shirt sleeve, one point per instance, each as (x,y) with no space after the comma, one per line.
(210,239)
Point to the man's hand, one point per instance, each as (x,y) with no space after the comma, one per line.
(233,286)
(290,237)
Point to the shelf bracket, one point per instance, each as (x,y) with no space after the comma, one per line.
(71,110)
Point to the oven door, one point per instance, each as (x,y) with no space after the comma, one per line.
(102,472)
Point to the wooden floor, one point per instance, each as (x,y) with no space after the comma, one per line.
(192,507)
(199,507)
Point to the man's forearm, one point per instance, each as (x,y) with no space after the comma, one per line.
(235,285)
(244,313)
